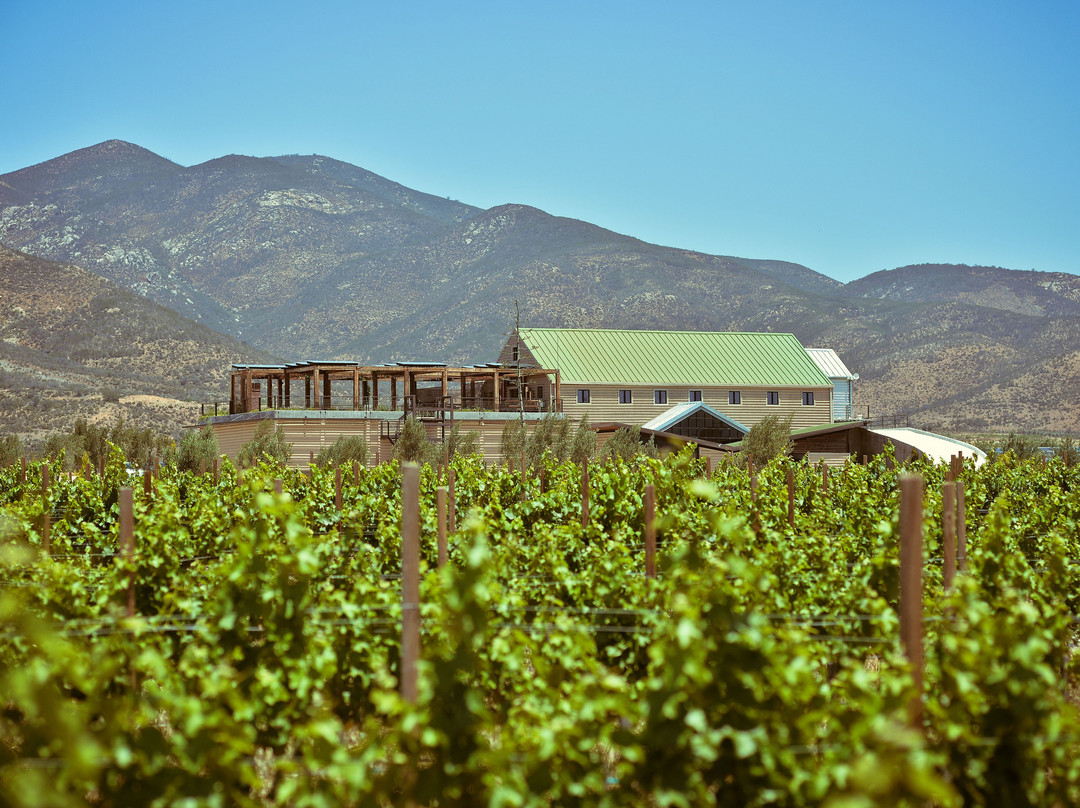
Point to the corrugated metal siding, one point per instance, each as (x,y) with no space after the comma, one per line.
(674,357)
(604,404)
(841,399)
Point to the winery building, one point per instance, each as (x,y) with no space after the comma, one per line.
(712,385)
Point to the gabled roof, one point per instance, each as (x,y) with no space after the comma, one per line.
(666,420)
(722,358)
(830,363)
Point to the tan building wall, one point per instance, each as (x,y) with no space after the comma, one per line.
(604,403)
(309,436)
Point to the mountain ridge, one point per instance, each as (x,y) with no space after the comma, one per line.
(305,255)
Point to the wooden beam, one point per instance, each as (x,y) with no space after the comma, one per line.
(356,388)
(495,376)
(326,403)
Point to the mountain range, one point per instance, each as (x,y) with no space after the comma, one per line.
(310,257)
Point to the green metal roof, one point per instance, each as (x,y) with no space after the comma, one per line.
(723,358)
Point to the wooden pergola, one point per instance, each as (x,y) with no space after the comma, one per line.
(409,386)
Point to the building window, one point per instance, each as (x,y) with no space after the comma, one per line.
(695,395)
(514,354)
(735,397)
(582,396)
(625,397)
(659,396)
(772,397)
(808,399)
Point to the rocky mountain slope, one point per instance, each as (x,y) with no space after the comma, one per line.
(70,339)
(311,257)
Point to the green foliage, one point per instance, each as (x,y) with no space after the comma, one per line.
(197,449)
(1022,447)
(11,450)
(761,667)
(769,438)
(267,444)
(344,451)
(1068,452)
(414,446)
(110,395)
(551,435)
(626,444)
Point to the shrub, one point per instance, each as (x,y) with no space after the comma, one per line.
(110,396)
(1023,447)
(1068,452)
(551,434)
(197,449)
(268,443)
(11,450)
(413,445)
(346,450)
(626,444)
(768,438)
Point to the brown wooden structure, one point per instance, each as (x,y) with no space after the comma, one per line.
(427,388)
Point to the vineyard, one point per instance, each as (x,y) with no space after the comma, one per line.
(237,638)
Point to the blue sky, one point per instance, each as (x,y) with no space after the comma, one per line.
(846,136)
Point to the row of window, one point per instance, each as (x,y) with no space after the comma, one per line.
(661,397)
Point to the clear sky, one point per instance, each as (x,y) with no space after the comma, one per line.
(846,136)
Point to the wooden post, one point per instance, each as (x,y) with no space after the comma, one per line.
(356,473)
(46,512)
(279,486)
(791,497)
(524,477)
(708,466)
(148,484)
(961,527)
(948,533)
(650,530)
(22,474)
(452,503)
(126,501)
(215,470)
(911,561)
(440,504)
(585,495)
(824,479)
(337,488)
(410,579)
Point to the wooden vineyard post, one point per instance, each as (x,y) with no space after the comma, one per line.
(46,512)
(708,467)
(22,474)
(126,501)
(148,484)
(440,504)
(650,531)
(585,495)
(911,562)
(961,527)
(791,497)
(451,505)
(410,579)
(824,479)
(337,488)
(948,533)
(524,478)
(279,486)
(215,470)
(356,473)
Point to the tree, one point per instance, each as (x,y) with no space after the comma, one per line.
(268,443)
(1023,447)
(626,444)
(197,449)
(413,445)
(1068,452)
(551,434)
(768,438)
(11,450)
(346,450)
